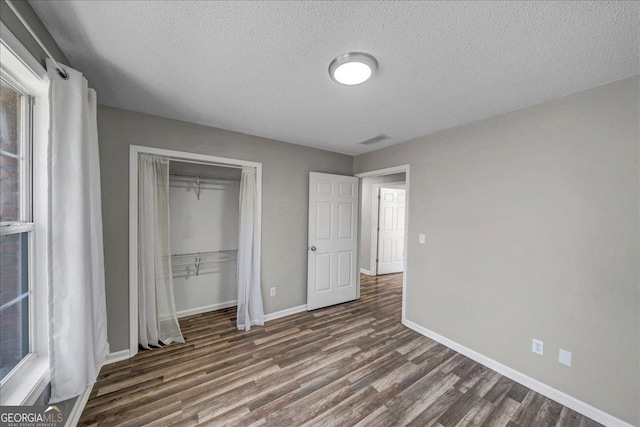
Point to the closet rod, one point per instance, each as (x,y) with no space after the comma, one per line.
(204,178)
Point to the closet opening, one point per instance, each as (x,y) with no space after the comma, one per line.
(194,242)
(204,213)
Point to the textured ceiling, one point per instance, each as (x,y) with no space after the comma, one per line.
(261,67)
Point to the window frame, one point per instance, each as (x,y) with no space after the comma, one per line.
(28,379)
(24,223)
(25,143)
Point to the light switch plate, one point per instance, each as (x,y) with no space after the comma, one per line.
(564,357)
(422,238)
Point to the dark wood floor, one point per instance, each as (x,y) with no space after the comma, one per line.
(351,364)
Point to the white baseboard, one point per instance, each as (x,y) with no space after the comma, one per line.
(285,312)
(212,307)
(535,385)
(364,271)
(78,407)
(117,356)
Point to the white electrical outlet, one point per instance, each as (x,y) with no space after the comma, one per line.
(564,357)
(273,292)
(537,346)
(421,238)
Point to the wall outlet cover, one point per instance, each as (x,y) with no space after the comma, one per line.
(273,292)
(564,357)
(421,238)
(537,346)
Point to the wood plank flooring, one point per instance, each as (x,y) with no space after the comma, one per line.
(349,365)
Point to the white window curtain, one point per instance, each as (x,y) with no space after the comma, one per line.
(77,308)
(250,311)
(157,319)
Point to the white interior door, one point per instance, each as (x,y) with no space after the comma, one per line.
(333,240)
(391,230)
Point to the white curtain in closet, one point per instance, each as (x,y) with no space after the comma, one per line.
(77,308)
(157,319)
(250,311)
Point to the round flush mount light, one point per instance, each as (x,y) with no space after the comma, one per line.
(353,68)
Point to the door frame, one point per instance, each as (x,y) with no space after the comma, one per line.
(183,156)
(389,171)
(375,220)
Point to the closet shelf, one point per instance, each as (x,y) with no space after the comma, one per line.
(203,254)
(198,259)
(200,179)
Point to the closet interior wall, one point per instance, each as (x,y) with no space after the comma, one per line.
(204,224)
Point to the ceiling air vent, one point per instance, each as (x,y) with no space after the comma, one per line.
(375,139)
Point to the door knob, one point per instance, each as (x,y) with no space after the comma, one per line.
(313,248)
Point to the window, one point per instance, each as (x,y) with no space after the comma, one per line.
(24,199)
(16,225)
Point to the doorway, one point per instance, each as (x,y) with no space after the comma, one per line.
(371,187)
(388,229)
(371,183)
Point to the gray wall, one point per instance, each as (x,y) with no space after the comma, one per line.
(366,203)
(14,25)
(285,190)
(532,228)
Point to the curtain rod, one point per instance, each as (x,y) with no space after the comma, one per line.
(61,71)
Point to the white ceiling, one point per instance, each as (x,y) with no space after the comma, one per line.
(261,67)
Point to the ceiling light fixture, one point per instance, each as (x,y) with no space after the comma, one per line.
(353,68)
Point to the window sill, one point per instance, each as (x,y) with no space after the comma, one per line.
(27,384)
